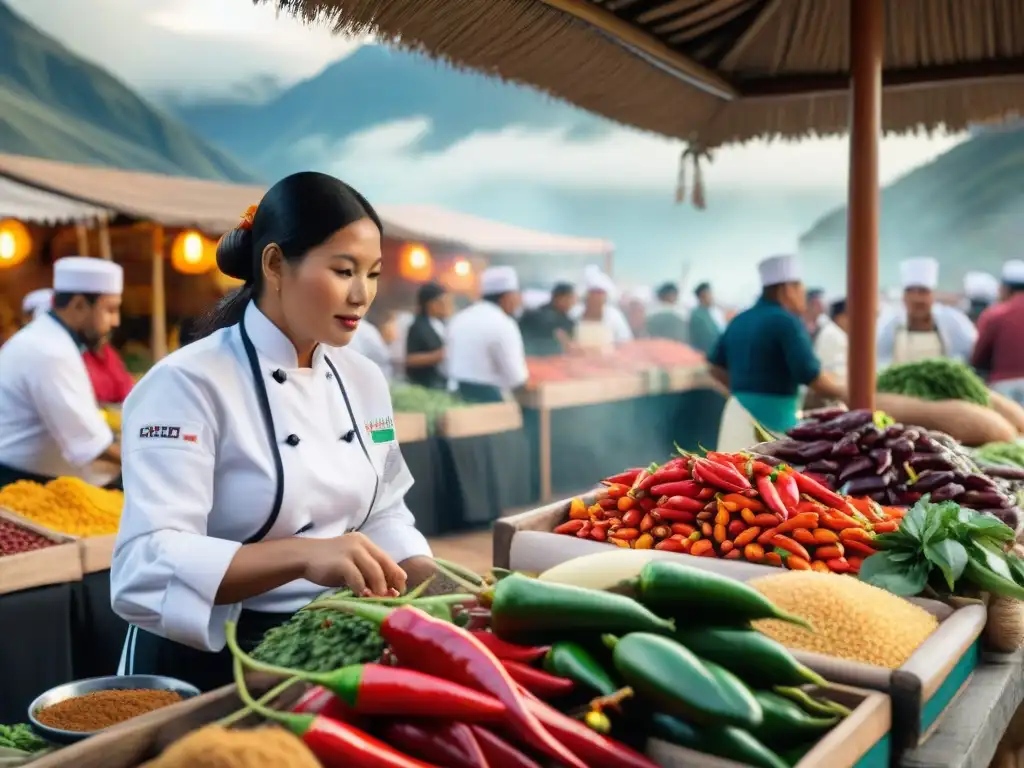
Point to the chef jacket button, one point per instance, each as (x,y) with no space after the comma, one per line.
(292,440)
(280,376)
(330,375)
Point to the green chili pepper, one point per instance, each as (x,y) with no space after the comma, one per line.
(573,661)
(677,683)
(528,610)
(812,705)
(980,575)
(785,724)
(726,742)
(755,657)
(674,589)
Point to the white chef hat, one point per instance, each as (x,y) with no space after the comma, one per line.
(920,273)
(494,280)
(776,270)
(596,280)
(81,274)
(1013,272)
(37,302)
(981,286)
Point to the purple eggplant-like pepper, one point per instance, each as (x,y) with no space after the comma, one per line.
(926,444)
(1007,473)
(901,449)
(851,420)
(947,492)
(985,500)
(932,479)
(923,461)
(859,465)
(847,446)
(976,482)
(882,458)
(813,451)
(824,466)
(813,430)
(871,436)
(825,414)
(868,485)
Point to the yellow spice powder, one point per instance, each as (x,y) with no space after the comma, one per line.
(216,747)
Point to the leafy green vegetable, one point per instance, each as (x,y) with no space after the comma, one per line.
(319,641)
(944,547)
(934,379)
(410,398)
(1005,454)
(21,737)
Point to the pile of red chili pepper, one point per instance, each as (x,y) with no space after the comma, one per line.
(736,507)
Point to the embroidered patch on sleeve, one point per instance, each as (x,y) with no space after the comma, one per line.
(165,436)
(381,430)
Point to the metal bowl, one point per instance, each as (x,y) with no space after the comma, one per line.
(91,685)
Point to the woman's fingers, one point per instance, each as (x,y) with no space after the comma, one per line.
(350,574)
(393,573)
(373,574)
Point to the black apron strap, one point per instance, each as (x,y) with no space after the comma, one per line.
(472,392)
(149,654)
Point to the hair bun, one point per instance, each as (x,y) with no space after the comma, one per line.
(234,254)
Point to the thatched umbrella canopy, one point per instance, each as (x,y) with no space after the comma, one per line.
(713,72)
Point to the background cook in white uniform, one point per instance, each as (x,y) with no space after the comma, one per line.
(50,422)
(198,538)
(36,303)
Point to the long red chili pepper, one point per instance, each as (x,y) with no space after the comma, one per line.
(787,490)
(770,496)
(320,701)
(448,744)
(664,475)
(685,503)
(537,681)
(685,488)
(499,753)
(507,651)
(377,689)
(443,649)
(816,490)
(623,478)
(718,475)
(334,743)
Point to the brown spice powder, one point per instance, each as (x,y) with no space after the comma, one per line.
(102,709)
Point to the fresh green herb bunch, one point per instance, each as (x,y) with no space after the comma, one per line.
(946,547)
(1004,454)
(934,379)
(320,641)
(21,737)
(410,398)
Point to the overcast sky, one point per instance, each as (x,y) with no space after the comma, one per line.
(211,45)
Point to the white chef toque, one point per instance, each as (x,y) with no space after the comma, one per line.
(37,302)
(920,273)
(776,270)
(594,280)
(81,274)
(1013,272)
(981,286)
(495,280)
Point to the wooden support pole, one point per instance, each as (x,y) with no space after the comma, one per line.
(158,328)
(82,236)
(106,252)
(867,36)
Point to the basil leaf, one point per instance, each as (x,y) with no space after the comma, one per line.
(914,522)
(903,579)
(990,527)
(948,556)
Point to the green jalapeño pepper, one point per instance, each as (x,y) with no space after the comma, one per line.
(677,683)
(726,742)
(755,658)
(785,724)
(573,661)
(525,609)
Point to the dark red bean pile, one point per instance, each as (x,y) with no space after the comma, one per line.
(15,540)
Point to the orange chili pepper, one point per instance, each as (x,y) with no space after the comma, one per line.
(830,552)
(797,563)
(886,526)
(793,547)
(747,536)
(706,516)
(773,558)
(765,538)
(569,527)
(743,502)
(838,565)
(607,504)
(671,545)
(766,520)
(825,536)
(733,554)
(753,552)
(707,529)
(627,534)
(820,567)
(856,534)
(661,531)
(727,547)
(619,542)
(632,518)
(803,520)
(736,527)
(614,522)
(722,517)
(838,522)
(617,491)
(684,528)
(645,541)
(700,547)
(578,510)
(720,533)
(852,545)
(647,523)
(625,503)
(804,536)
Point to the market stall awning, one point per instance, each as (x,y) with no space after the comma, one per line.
(718,71)
(21,201)
(439,225)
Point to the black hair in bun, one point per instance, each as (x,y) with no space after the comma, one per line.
(297,214)
(234,254)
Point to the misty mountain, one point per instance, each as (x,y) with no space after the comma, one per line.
(55,105)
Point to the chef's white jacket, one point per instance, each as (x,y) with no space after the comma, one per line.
(199,474)
(368,342)
(50,422)
(485,346)
(612,318)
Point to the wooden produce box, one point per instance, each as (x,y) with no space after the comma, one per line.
(922,689)
(94,552)
(476,420)
(58,564)
(410,427)
(859,741)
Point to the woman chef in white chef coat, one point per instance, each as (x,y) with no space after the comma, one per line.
(260,462)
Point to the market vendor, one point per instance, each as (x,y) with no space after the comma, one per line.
(925,328)
(706,320)
(111,381)
(547,329)
(424,343)
(260,461)
(598,307)
(50,422)
(981,291)
(486,357)
(999,352)
(35,304)
(666,320)
(766,355)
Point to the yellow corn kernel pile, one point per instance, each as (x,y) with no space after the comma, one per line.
(66,505)
(852,620)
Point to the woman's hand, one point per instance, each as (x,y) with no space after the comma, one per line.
(355,562)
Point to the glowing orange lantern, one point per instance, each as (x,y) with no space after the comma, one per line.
(415,263)
(15,243)
(193,254)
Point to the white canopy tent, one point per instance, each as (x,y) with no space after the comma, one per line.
(20,201)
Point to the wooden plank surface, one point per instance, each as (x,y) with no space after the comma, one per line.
(970,731)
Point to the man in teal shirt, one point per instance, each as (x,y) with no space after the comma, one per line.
(766,354)
(706,321)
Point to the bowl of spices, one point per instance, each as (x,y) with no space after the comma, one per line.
(75,711)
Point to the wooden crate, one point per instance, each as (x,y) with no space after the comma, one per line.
(42,567)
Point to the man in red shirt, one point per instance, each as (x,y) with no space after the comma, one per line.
(110,379)
(999,351)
